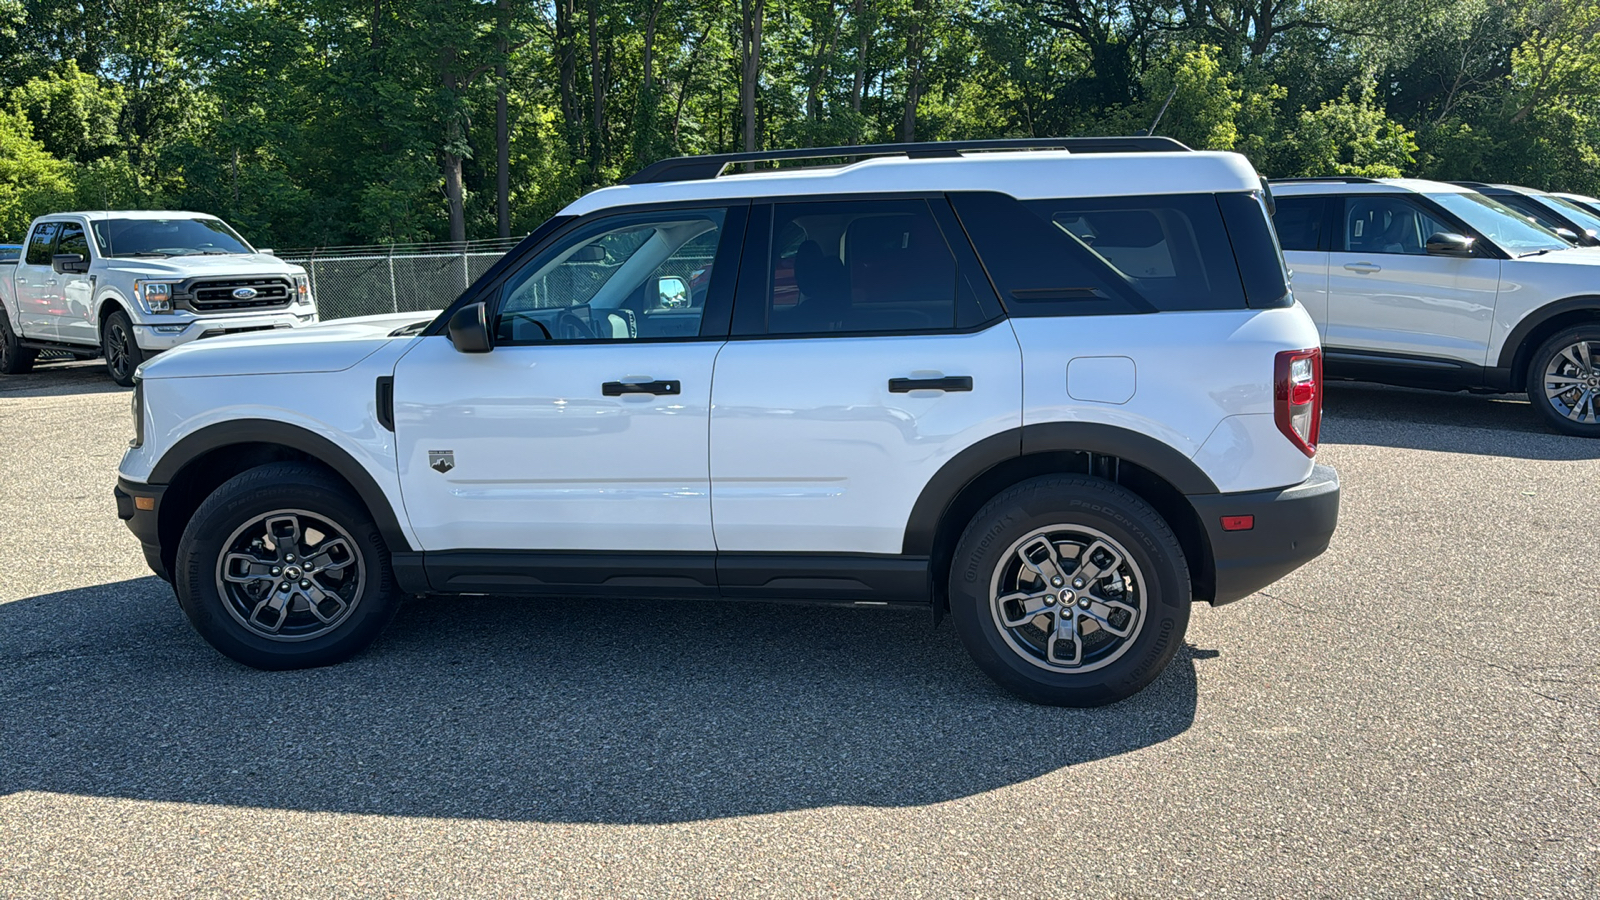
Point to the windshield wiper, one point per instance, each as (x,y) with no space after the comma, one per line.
(158,253)
(1538,252)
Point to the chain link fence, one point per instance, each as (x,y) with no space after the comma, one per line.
(364,281)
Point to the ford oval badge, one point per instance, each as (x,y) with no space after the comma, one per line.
(244,293)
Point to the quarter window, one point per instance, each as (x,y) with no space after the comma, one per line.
(39,246)
(623,278)
(860,266)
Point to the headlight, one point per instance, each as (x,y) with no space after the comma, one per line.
(156,296)
(138,413)
(302,289)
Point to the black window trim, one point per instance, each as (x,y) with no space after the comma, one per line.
(749,316)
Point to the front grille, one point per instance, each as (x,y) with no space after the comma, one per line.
(211,296)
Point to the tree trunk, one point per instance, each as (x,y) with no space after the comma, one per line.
(597,82)
(455,197)
(753,12)
(502,127)
(914,40)
(858,86)
(687,83)
(566,52)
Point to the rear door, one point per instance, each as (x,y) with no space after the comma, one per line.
(863,359)
(37,284)
(1303,231)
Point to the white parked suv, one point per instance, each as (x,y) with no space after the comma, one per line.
(1059,388)
(126,285)
(1426,284)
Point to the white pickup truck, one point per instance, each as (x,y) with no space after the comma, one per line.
(126,285)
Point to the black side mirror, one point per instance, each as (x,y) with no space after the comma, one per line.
(469,329)
(73,263)
(1446,244)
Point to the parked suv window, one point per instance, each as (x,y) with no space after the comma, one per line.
(859,266)
(1299,222)
(72,240)
(1388,225)
(623,278)
(44,237)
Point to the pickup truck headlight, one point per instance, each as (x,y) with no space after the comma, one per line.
(156,296)
(302,289)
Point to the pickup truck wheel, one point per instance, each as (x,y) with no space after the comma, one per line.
(1564,381)
(282,567)
(121,351)
(15,359)
(1070,591)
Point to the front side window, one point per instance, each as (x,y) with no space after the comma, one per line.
(859,266)
(624,278)
(72,240)
(1589,220)
(167,237)
(39,246)
(1388,225)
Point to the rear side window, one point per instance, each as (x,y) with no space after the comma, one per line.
(1299,222)
(1255,248)
(44,237)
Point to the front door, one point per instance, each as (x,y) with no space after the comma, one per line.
(1387,295)
(74,317)
(585,428)
(860,364)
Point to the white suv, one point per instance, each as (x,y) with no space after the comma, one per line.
(1433,285)
(1060,393)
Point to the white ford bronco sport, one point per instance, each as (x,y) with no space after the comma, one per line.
(1058,388)
(126,285)
(1434,285)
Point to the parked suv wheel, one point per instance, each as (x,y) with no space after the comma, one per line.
(1070,591)
(15,359)
(1564,381)
(122,352)
(283,568)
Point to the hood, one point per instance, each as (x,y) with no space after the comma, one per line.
(327,347)
(187,266)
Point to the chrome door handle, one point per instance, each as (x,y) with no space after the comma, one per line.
(1364,268)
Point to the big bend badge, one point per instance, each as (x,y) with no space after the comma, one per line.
(441,460)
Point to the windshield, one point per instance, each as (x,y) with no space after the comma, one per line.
(167,237)
(1509,229)
(1583,217)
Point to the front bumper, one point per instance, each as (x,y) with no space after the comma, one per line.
(140,506)
(1292,526)
(166,335)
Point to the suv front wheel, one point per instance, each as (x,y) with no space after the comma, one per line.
(1564,381)
(1070,591)
(282,567)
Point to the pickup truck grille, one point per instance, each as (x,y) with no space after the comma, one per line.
(212,296)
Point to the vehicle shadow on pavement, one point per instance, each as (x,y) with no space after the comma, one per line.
(538,710)
(60,379)
(1497,425)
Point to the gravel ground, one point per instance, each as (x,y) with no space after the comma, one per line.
(1415,714)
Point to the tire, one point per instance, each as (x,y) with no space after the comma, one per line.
(15,359)
(121,350)
(1137,577)
(228,574)
(1569,364)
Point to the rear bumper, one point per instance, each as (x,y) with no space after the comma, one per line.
(1292,526)
(140,506)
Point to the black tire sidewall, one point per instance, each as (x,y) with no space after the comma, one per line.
(1097,504)
(120,320)
(1535,380)
(250,495)
(15,359)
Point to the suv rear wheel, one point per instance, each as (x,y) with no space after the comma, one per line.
(1564,381)
(283,568)
(15,359)
(1070,591)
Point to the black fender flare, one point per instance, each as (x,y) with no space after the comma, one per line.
(265,431)
(964,468)
(1530,323)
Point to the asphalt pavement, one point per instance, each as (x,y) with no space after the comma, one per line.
(1414,714)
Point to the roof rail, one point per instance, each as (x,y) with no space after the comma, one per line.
(692,168)
(1327,179)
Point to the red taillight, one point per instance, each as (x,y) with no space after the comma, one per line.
(1298,397)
